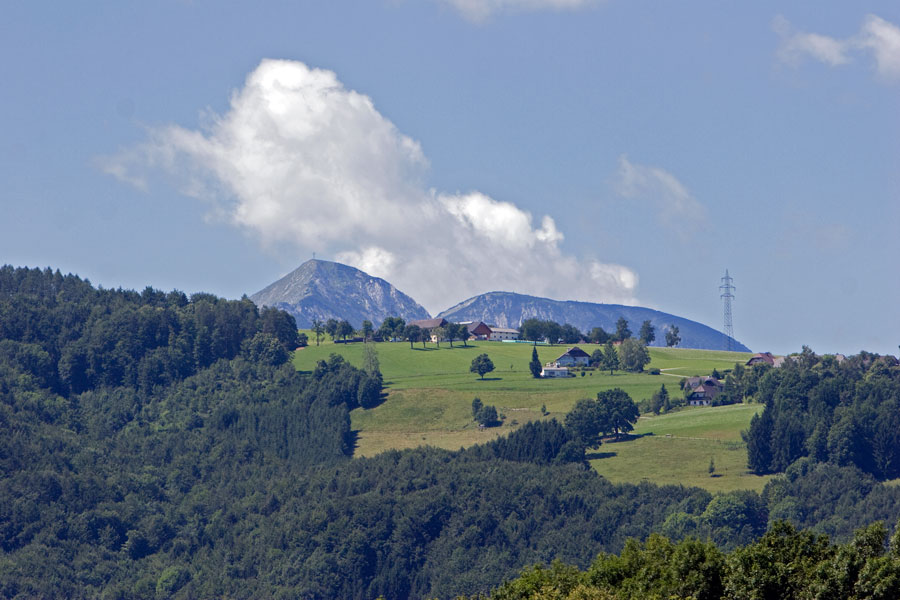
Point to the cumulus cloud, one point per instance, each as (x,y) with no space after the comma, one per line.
(480,10)
(299,159)
(673,202)
(876,36)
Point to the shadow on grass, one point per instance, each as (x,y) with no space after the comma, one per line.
(425,349)
(352,440)
(490,379)
(381,398)
(598,455)
(627,437)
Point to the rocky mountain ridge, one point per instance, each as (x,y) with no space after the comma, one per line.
(508,309)
(320,289)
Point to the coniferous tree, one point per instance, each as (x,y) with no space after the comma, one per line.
(535,364)
(648,333)
(610,357)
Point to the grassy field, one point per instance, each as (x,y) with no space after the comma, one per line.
(430,394)
(677,448)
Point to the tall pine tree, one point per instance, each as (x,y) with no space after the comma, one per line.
(535,364)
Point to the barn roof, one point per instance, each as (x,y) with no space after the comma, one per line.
(429,323)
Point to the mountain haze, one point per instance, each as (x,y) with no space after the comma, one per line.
(320,289)
(507,309)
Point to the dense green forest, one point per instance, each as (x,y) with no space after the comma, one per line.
(844,412)
(154,445)
(785,564)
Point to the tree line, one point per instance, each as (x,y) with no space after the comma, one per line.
(534,330)
(537,330)
(785,564)
(72,338)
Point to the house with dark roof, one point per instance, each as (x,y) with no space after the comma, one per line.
(573,357)
(703,390)
(429,324)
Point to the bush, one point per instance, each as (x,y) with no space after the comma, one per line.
(487,416)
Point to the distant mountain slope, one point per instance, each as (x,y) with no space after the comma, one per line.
(320,289)
(507,309)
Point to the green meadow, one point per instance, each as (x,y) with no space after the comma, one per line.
(677,448)
(430,392)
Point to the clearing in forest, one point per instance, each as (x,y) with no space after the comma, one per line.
(429,394)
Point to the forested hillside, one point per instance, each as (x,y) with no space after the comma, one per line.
(155,446)
(785,564)
(845,412)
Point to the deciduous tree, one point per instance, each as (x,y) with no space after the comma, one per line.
(482,365)
(413,333)
(620,410)
(366,330)
(533,330)
(672,337)
(634,355)
(318,329)
(344,329)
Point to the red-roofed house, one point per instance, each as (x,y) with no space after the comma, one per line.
(761,358)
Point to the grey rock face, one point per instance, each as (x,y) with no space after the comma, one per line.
(323,290)
(506,309)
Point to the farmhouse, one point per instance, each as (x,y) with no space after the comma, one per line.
(703,390)
(477,330)
(573,357)
(498,334)
(761,358)
(550,370)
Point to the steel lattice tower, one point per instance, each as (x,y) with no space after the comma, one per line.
(727,296)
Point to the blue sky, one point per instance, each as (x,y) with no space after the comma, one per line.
(606,151)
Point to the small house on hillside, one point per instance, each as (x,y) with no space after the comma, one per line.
(573,357)
(499,334)
(550,370)
(761,358)
(703,390)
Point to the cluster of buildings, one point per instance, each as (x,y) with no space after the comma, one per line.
(478,330)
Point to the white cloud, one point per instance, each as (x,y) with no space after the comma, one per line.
(480,10)
(299,159)
(883,40)
(876,36)
(673,202)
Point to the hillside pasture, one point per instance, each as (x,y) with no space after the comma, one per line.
(430,393)
(676,448)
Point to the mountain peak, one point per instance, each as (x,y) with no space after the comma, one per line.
(322,289)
